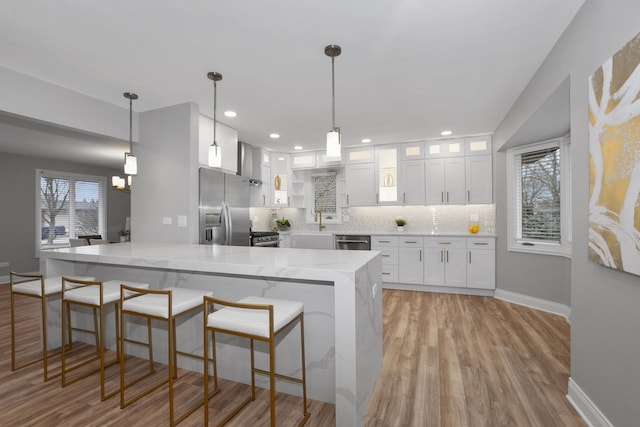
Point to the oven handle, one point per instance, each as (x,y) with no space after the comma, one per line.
(351,241)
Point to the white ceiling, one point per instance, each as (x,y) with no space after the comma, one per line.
(408,69)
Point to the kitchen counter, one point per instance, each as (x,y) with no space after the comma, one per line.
(389,233)
(341,292)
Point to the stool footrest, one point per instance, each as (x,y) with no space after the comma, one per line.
(280,376)
(193,356)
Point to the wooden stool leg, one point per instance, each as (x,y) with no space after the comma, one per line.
(304,369)
(272,381)
(253,373)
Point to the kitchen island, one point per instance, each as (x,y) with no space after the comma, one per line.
(341,292)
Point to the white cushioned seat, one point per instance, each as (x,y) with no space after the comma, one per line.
(182,300)
(91,294)
(255,321)
(52,285)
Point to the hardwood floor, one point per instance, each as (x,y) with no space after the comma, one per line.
(449,360)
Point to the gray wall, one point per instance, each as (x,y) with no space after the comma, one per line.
(17,218)
(605,337)
(167,181)
(539,276)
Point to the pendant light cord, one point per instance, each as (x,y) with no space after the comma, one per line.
(214,113)
(131,125)
(333,95)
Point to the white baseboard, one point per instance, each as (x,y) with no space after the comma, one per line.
(532,302)
(4,279)
(438,289)
(585,407)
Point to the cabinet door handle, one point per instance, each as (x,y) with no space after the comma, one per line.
(420,255)
(386,274)
(404,198)
(441,256)
(410,241)
(468,196)
(447,197)
(442,196)
(289,201)
(384,241)
(347,199)
(447,256)
(264,200)
(444,243)
(469,257)
(377,198)
(480,244)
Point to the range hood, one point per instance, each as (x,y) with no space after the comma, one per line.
(245,164)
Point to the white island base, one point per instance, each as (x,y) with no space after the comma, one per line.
(341,292)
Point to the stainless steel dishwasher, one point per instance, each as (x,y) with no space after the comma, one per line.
(353,242)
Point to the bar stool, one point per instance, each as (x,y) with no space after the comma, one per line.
(97,296)
(35,286)
(165,305)
(260,319)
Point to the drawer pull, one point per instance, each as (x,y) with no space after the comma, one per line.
(384,241)
(386,274)
(444,243)
(480,243)
(412,241)
(388,256)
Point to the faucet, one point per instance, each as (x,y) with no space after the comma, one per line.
(317,214)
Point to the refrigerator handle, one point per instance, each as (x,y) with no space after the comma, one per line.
(229,230)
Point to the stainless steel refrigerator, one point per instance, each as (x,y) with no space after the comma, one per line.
(224,208)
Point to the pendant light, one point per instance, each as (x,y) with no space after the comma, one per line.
(333,137)
(130,161)
(215,151)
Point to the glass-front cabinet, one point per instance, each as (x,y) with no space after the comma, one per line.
(280,180)
(387,174)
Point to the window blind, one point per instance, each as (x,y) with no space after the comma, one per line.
(70,205)
(538,195)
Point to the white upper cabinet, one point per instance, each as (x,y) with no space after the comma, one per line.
(479,179)
(446,183)
(280,180)
(413,186)
(438,148)
(388,174)
(360,155)
(227,139)
(477,145)
(413,150)
(359,184)
(322,160)
(304,160)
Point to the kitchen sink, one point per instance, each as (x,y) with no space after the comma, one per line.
(312,240)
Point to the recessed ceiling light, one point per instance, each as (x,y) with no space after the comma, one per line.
(230,113)
(281,158)
(366,140)
(298,147)
(274,136)
(446,133)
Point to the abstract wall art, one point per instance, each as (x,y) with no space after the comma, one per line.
(614,161)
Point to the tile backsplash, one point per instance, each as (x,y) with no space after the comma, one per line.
(420,219)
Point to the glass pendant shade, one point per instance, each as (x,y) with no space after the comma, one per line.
(333,143)
(130,164)
(215,156)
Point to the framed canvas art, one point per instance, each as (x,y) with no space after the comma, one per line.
(614,161)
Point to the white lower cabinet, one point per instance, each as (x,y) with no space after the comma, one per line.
(410,256)
(388,247)
(445,261)
(481,263)
(456,262)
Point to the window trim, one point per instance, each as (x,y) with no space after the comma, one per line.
(515,244)
(102,212)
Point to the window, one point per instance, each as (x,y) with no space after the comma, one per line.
(539,197)
(68,205)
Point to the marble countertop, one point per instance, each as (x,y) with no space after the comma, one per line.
(309,264)
(387,233)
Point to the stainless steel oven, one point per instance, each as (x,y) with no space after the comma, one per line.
(352,242)
(268,239)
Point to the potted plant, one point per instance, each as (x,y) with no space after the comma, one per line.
(124,235)
(400,223)
(283,224)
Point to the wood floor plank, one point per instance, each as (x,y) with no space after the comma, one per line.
(449,360)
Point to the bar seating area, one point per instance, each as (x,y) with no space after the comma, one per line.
(87,301)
